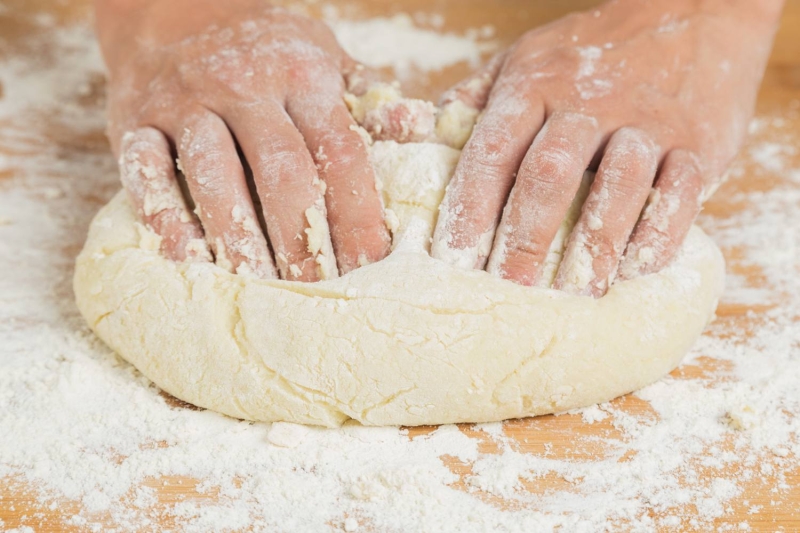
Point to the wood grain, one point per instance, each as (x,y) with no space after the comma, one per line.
(561,435)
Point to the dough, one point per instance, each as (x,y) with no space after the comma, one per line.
(406,341)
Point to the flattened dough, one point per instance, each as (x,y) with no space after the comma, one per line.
(409,340)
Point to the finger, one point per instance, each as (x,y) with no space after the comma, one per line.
(671,208)
(290,191)
(545,187)
(386,115)
(380,107)
(461,104)
(483,178)
(358,77)
(473,91)
(355,213)
(406,120)
(148,174)
(217,184)
(615,200)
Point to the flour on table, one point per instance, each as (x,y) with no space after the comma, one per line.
(399,43)
(80,425)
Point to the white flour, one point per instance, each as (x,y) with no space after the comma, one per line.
(80,425)
(398,43)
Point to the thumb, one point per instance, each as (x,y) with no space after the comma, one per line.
(461,104)
(358,77)
(473,91)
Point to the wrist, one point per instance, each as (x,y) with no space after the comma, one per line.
(116,22)
(126,26)
(756,14)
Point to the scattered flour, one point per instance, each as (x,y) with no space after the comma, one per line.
(398,43)
(89,438)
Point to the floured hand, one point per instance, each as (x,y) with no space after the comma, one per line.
(212,78)
(655,94)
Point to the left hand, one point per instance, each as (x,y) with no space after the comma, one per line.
(657,95)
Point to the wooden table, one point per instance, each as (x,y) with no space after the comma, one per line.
(781,90)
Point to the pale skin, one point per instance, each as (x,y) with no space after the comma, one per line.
(655,95)
(197,74)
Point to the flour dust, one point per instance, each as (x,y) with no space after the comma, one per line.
(93,442)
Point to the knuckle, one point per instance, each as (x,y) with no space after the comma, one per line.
(483,174)
(634,143)
(198,130)
(630,163)
(661,242)
(357,236)
(682,172)
(315,71)
(484,163)
(523,260)
(573,120)
(485,149)
(284,162)
(605,243)
(668,241)
(532,250)
(550,164)
(627,183)
(143,141)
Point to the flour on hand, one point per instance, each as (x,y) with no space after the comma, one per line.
(406,341)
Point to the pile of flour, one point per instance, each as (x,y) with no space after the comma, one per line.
(92,441)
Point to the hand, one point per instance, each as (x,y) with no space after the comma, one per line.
(656,95)
(211,78)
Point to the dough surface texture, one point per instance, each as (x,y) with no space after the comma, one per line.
(406,341)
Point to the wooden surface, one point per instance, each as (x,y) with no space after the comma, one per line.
(780,92)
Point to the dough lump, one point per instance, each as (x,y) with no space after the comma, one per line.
(406,341)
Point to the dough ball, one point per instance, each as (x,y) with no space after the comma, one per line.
(405,341)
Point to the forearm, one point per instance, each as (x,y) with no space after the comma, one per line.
(116,23)
(763,13)
(744,28)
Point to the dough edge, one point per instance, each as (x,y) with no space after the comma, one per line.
(462,346)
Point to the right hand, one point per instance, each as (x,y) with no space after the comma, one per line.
(207,79)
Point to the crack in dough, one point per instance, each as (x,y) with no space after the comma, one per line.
(405,341)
